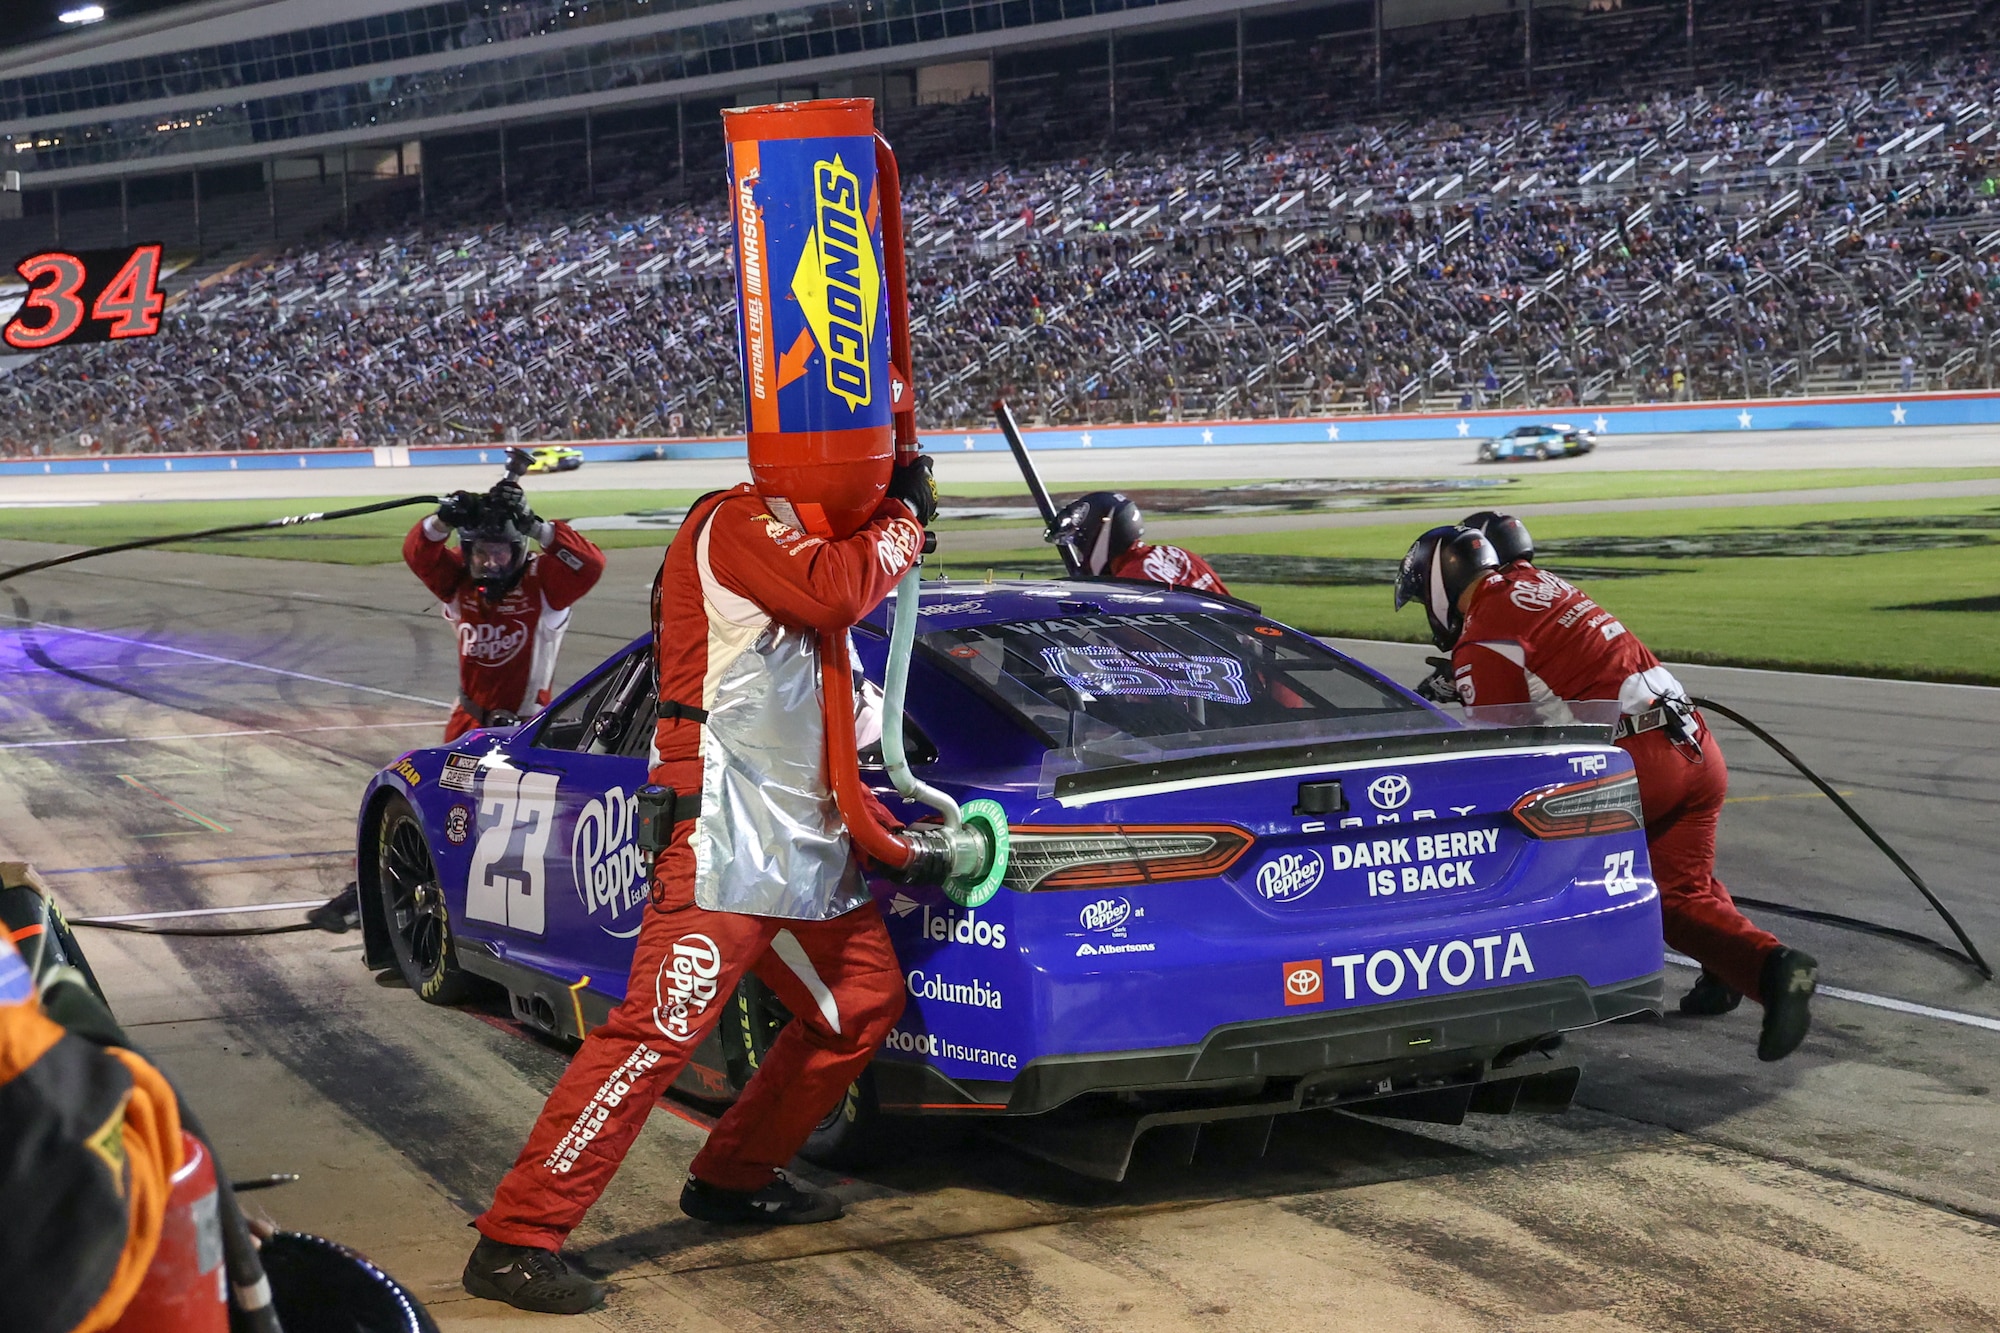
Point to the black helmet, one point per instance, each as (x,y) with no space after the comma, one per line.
(1508,534)
(1441,564)
(1100,527)
(495,550)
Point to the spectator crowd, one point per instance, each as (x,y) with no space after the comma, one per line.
(1823,223)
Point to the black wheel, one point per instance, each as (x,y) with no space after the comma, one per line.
(850,1135)
(1542,452)
(413,908)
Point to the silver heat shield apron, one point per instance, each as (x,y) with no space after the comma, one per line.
(769,840)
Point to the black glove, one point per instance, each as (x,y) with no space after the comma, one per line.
(507,498)
(459,509)
(913,484)
(1438,687)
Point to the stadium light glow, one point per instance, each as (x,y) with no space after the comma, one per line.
(82,14)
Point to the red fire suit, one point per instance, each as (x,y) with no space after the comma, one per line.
(1530,636)
(731,573)
(506,649)
(1171,565)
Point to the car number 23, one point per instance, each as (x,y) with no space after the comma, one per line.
(500,887)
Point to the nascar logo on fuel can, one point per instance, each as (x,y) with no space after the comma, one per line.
(813,308)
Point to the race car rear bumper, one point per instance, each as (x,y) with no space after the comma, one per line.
(1313,1051)
(1495,1051)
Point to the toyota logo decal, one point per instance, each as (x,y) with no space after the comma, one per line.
(1303,982)
(1391,792)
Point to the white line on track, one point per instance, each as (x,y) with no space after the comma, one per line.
(199,911)
(231,661)
(1889,1002)
(207,735)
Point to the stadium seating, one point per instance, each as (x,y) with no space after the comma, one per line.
(1803,211)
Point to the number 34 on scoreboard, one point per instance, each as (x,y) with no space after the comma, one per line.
(89,296)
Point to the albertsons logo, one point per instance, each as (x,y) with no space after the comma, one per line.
(1105,914)
(1290,876)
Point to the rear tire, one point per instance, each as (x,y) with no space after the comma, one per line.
(1542,453)
(851,1134)
(413,907)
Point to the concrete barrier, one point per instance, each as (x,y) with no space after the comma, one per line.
(1878,413)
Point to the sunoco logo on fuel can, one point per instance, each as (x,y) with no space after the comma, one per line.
(808,219)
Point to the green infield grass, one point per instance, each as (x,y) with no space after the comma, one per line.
(377,538)
(1889,588)
(1902,589)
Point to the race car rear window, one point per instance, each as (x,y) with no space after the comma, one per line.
(1085,678)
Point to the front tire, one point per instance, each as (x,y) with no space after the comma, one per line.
(851,1134)
(413,907)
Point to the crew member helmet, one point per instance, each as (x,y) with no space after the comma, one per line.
(1440,565)
(495,551)
(1508,534)
(1100,527)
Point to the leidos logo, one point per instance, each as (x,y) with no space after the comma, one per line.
(839,284)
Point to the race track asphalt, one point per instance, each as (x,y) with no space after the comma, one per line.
(1750,450)
(186,730)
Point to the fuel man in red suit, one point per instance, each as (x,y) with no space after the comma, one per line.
(510,608)
(1519,634)
(758,876)
(1104,528)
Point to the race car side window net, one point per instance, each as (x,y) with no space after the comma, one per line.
(567,725)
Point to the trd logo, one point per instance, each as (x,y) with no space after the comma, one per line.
(1305,983)
(1589,764)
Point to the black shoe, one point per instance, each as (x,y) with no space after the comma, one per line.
(528,1279)
(783,1202)
(1787,984)
(340,913)
(1709,997)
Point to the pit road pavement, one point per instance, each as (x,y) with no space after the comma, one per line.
(186,730)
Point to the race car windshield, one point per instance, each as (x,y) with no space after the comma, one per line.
(1085,679)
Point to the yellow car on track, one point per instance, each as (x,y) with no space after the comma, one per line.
(554,458)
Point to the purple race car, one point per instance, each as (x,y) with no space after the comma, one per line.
(1248,875)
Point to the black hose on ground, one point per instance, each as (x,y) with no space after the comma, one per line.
(1969,955)
(269,524)
(198,932)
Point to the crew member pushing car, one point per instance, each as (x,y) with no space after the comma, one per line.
(1522,635)
(1105,529)
(510,607)
(758,876)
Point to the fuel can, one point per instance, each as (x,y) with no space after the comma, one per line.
(815,308)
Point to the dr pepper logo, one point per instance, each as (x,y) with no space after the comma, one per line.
(1305,983)
(838,283)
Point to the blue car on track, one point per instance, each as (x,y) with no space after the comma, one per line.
(1539,442)
(1248,876)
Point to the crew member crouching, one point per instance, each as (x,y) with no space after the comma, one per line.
(1105,529)
(1521,635)
(510,607)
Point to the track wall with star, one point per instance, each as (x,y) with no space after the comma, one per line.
(1718,418)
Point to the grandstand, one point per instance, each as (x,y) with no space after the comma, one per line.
(1205,214)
